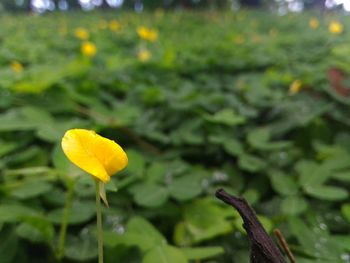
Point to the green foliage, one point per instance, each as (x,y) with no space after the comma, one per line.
(211,107)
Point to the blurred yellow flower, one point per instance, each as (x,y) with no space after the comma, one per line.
(314,23)
(16,66)
(81,33)
(335,27)
(148,34)
(93,153)
(295,87)
(115,26)
(144,55)
(88,49)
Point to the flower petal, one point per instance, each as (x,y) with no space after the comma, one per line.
(110,154)
(93,153)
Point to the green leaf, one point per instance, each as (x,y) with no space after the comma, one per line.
(111,186)
(233,147)
(227,117)
(150,195)
(186,187)
(251,163)
(55,198)
(293,205)
(198,253)
(81,247)
(84,186)
(26,155)
(303,233)
(39,78)
(36,229)
(28,171)
(203,220)
(139,232)
(315,240)
(37,115)
(53,133)
(143,242)
(141,226)
(283,184)
(251,195)
(80,212)
(8,245)
(339,161)
(341,176)
(260,139)
(30,189)
(345,210)
(156,172)
(12,120)
(330,193)
(15,212)
(7,147)
(136,165)
(238,223)
(312,174)
(126,114)
(266,222)
(165,254)
(63,165)
(153,95)
(343,241)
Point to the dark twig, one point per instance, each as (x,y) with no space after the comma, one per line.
(263,249)
(284,245)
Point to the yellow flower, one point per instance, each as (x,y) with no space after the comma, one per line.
(335,27)
(88,49)
(144,55)
(16,66)
(93,153)
(147,33)
(81,33)
(115,26)
(314,23)
(295,87)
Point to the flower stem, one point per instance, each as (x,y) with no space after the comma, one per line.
(99,223)
(64,223)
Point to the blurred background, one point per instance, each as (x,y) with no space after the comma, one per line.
(251,96)
(282,6)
